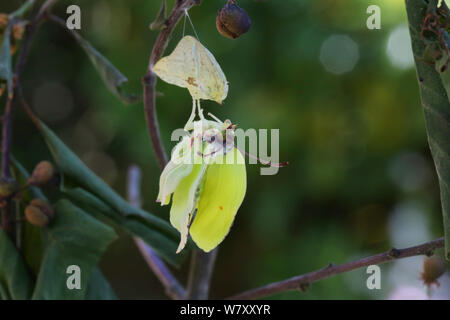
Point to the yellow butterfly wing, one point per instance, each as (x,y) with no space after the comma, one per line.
(223,192)
(183,202)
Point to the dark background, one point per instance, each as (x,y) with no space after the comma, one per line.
(346,101)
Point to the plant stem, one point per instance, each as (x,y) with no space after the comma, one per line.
(7,117)
(149,79)
(7,219)
(202,266)
(171,285)
(6,138)
(302,282)
(30,31)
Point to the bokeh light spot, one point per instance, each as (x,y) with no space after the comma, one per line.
(399,50)
(53,102)
(408,224)
(339,54)
(409,171)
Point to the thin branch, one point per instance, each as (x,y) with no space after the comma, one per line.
(7,116)
(6,138)
(202,266)
(172,287)
(302,282)
(149,79)
(30,31)
(204,262)
(7,219)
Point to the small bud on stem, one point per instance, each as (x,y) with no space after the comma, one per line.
(42,174)
(36,217)
(39,213)
(43,206)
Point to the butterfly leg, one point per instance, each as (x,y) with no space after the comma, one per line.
(200,111)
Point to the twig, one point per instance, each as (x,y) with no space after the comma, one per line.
(7,219)
(172,287)
(30,31)
(6,138)
(149,79)
(303,281)
(7,117)
(202,266)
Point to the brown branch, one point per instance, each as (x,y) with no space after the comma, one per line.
(7,116)
(204,263)
(202,266)
(303,281)
(30,31)
(171,285)
(6,138)
(7,219)
(149,79)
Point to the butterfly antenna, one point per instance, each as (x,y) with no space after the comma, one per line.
(214,117)
(190,21)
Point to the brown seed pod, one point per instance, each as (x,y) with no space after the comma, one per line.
(232,21)
(44,206)
(42,174)
(433,268)
(36,217)
(8,188)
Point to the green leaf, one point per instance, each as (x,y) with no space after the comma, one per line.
(165,245)
(436,107)
(99,288)
(160,21)
(33,247)
(4,294)
(72,238)
(441,65)
(110,75)
(15,280)
(156,232)
(71,166)
(6,73)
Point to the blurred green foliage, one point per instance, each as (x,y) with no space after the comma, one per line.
(356,142)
